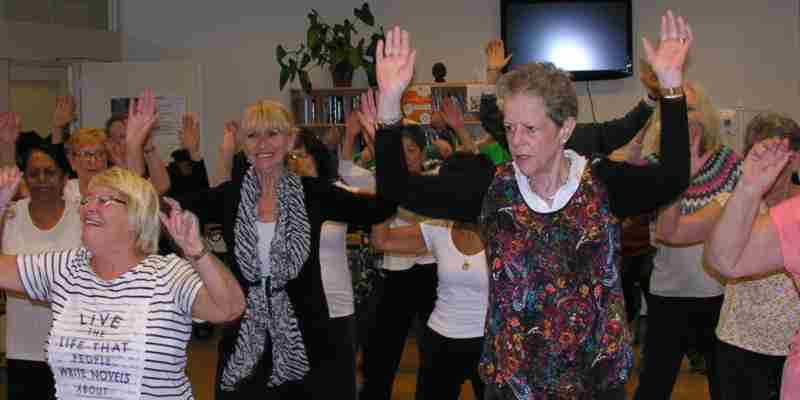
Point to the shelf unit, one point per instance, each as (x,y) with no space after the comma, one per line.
(323,108)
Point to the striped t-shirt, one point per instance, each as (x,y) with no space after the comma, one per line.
(116,340)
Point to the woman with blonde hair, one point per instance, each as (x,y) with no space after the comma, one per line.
(272,221)
(122,314)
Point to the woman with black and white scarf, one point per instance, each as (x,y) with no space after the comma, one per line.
(272,220)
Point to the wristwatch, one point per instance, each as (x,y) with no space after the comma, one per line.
(672,93)
(195,258)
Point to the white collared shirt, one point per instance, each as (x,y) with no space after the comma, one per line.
(563,194)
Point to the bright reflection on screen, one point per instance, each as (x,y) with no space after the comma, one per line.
(576,36)
(568,54)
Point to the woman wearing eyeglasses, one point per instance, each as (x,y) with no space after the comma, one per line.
(122,314)
(88,156)
(42,222)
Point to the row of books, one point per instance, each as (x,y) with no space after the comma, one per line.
(315,110)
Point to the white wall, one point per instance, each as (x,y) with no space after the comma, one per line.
(746,52)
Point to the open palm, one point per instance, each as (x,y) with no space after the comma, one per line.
(764,163)
(669,57)
(394,66)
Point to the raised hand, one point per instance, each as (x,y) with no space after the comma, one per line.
(352,125)
(496,55)
(763,164)
(64,113)
(368,114)
(10,178)
(668,58)
(697,160)
(394,68)
(183,227)
(189,136)
(229,132)
(452,114)
(142,117)
(9,128)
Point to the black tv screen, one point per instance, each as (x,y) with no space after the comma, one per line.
(590,39)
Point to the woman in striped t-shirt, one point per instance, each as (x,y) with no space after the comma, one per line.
(121,313)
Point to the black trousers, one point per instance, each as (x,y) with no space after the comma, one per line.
(672,324)
(30,380)
(448,363)
(407,296)
(332,374)
(635,277)
(744,374)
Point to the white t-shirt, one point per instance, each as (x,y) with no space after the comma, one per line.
(72,191)
(336,279)
(123,339)
(402,262)
(266,231)
(29,322)
(462,297)
(680,271)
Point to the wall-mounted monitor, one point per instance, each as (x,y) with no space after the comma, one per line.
(591,39)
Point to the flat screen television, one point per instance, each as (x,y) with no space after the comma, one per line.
(590,39)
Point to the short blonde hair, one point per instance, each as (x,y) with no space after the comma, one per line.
(768,125)
(142,204)
(264,116)
(710,141)
(545,80)
(86,137)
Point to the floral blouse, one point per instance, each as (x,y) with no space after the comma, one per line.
(556,325)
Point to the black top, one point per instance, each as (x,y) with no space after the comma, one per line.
(324,202)
(180,184)
(587,138)
(458,194)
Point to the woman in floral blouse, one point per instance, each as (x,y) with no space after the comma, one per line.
(556,322)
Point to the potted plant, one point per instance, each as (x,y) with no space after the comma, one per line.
(332,47)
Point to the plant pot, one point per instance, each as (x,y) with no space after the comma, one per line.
(342,74)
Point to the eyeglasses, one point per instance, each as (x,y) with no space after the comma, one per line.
(92,155)
(104,201)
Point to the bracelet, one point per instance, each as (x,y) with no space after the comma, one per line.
(390,122)
(672,93)
(195,258)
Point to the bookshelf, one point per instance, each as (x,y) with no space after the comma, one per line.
(323,108)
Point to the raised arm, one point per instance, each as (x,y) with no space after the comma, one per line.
(10,178)
(604,137)
(63,115)
(9,133)
(221,298)
(358,209)
(677,229)
(454,118)
(457,196)
(633,189)
(404,239)
(352,174)
(496,60)
(741,244)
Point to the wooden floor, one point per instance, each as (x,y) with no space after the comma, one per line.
(203,361)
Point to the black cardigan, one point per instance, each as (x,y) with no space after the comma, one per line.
(458,195)
(591,138)
(324,202)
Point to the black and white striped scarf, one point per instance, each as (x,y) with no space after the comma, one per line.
(268,309)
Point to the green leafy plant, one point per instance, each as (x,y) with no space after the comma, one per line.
(332,47)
